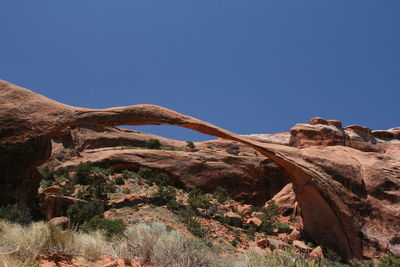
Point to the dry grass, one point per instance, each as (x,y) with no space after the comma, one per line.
(151,243)
(22,245)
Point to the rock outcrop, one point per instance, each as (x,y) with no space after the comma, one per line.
(349,198)
(245,176)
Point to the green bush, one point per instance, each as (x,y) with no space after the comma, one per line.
(173,205)
(153,144)
(198,200)
(46,173)
(271,211)
(119,181)
(221,194)
(234,243)
(282,227)
(233,151)
(82,171)
(331,255)
(389,261)
(109,227)
(126,191)
(82,213)
(150,178)
(46,183)
(166,192)
(266,227)
(186,214)
(97,191)
(144,172)
(15,214)
(99,170)
(84,167)
(130,174)
(190,144)
(195,228)
(61,172)
(161,179)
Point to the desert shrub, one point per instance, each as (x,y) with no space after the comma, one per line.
(82,171)
(266,227)
(82,213)
(130,174)
(46,183)
(60,241)
(103,171)
(331,255)
(119,181)
(108,226)
(234,243)
(166,192)
(151,178)
(92,245)
(61,172)
(84,167)
(173,205)
(161,179)
(190,144)
(389,261)
(174,249)
(153,144)
(144,172)
(25,243)
(51,177)
(46,173)
(142,239)
(221,194)
(186,214)
(229,221)
(282,227)
(362,263)
(16,214)
(197,200)
(233,151)
(282,258)
(97,191)
(126,191)
(271,211)
(195,228)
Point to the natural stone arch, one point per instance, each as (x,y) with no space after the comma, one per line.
(28,121)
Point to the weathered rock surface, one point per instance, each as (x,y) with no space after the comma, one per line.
(349,198)
(55,206)
(286,199)
(247,176)
(322,132)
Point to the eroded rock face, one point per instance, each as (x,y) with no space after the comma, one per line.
(349,198)
(248,176)
(321,132)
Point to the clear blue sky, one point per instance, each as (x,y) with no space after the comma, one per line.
(248,66)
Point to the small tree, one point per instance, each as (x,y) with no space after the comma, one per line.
(198,200)
(221,194)
(108,226)
(195,228)
(190,144)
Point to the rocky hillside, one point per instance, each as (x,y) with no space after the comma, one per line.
(346,181)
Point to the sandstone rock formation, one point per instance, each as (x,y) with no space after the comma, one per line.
(349,198)
(245,176)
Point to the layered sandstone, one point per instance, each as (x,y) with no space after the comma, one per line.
(349,197)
